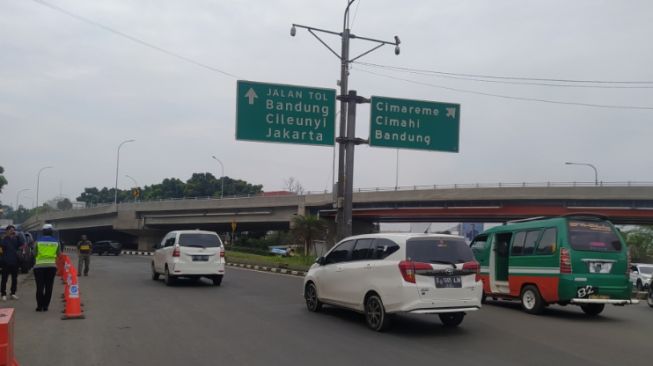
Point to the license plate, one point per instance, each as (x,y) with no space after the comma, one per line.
(597,296)
(588,292)
(600,267)
(200,258)
(448,282)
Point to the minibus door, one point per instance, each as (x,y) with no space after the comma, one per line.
(500,252)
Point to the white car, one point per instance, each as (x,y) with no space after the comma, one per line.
(382,274)
(191,254)
(640,275)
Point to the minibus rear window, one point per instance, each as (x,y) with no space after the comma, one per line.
(595,236)
(438,250)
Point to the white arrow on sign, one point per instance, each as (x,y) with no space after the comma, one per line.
(451,112)
(251,94)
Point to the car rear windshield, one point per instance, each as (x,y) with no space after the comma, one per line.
(438,250)
(199,240)
(594,236)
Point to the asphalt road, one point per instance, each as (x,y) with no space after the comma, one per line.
(259,318)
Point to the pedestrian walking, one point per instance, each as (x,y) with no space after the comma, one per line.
(84,247)
(10,247)
(47,249)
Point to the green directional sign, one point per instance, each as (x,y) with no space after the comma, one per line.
(414,124)
(285,113)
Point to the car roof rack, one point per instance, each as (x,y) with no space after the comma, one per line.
(586,215)
(527,219)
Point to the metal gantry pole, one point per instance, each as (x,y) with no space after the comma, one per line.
(345,169)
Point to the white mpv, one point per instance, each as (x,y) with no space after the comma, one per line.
(382,274)
(189,253)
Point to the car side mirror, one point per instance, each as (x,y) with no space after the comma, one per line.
(635,272)
(321,261)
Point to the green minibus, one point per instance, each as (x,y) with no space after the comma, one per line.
(576,259)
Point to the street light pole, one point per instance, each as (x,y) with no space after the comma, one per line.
(115,195)
(596,172)
(18,194)
(38,183)
(343,221)
(221,176)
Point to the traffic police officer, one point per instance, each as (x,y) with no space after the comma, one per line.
(45,269)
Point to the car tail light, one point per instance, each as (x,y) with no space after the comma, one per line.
(409,268)
(473,266)
(176,252)
(221,253)
(565,261)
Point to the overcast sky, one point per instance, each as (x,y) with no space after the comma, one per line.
(70,91)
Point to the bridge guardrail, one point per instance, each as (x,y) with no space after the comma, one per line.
(412,188)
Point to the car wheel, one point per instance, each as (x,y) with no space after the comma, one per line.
(155,276)
(217,280)
(168,278)
(313,304)
(531,300)
(375,314)
(592,309)
(649,299)
(483,298)
(452,320)
(639,285)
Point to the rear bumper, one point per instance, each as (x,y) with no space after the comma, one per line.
(469,300)
(190,269)
(605,301)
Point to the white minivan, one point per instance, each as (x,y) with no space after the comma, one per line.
(382,274)
(191,254)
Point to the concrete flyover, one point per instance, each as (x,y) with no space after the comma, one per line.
(142,224)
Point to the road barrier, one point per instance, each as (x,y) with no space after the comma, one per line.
(7,338)
(71,294)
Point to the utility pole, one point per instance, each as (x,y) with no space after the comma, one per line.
(343,201)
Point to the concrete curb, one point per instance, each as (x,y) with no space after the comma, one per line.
(240,265)
(268,269)
(136,252)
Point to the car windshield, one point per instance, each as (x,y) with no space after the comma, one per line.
(438,250)
(199,240)
(595,236)
(646,269)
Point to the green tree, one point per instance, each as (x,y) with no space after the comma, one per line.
(307,229)
(3,180)
(64,204)
(640,242)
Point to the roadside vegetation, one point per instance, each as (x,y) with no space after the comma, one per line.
(296,263)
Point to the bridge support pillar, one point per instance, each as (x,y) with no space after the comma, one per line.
(147,240)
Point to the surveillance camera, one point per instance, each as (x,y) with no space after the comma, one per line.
(397,50)
(397,41)
(293,31)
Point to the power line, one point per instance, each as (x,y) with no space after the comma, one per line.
(509,96)
(504,77)
(133,39)
(527,83)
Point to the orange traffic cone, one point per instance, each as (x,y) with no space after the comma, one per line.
(73,308)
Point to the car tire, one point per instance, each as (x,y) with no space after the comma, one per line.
(592,309)
(649,299)
(531,300)
(639,285)
(313,304)
(168,278)
(452,320)
(375,315)
(483,298)
(217,280)
(155,276)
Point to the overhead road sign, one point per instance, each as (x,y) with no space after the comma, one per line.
(285,113)
(414,124)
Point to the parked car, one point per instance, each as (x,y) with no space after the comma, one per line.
(102,247)
(640,275)
(383,274)
(191,254)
